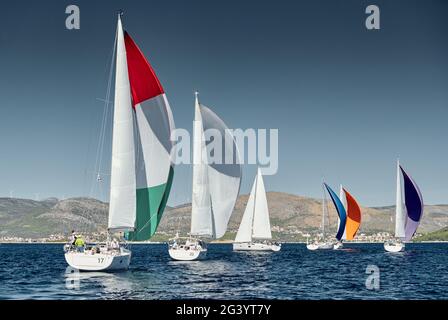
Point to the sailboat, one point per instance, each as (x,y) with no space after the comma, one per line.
(254,233)
(408,213)
(142,170)
(215,186)
(324,243)
(353,219)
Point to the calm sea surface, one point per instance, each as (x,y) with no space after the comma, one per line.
(39,272)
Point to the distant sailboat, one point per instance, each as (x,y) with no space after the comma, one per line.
(254,233)
(324,243)
(408,213)
(142,170)
(215,187)
(353,218)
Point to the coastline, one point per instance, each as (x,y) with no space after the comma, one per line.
(219,242)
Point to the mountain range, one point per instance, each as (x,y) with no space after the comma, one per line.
(290,215)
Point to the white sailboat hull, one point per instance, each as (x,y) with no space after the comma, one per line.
(338,245)
(320,246)
(182,254)
(394,246)
(192,249)
(106,261)
(254,246)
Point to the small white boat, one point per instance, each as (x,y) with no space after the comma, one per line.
(320,246)
(394,246)
(338,245)
(322,243)
(187,249)
(215,187)
(141,168)
(254,233)
(349,219)
(408,211)
(257,246)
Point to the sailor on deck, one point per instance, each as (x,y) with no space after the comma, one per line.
(80,244)
(73,238)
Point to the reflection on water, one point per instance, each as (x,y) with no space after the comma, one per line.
(39,272)
(115,285)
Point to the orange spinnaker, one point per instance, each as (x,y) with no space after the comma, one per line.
(353,216)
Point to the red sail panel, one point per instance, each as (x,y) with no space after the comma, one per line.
(353,216)
(144,82)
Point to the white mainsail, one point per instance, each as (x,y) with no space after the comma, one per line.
(201,210)
(255,223)
(262,225)
(400,211)
(215,185)
(122,210)
(244,233)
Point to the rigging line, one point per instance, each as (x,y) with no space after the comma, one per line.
(86,226)
(101,142)
(147,223)
(105,118)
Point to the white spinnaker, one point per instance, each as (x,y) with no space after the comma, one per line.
(223,178)
(262,225)
(344,203)
(122,210)
(244,233)
(201,211)
(400,210)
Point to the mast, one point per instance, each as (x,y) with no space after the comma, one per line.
(197,153)
(323,210)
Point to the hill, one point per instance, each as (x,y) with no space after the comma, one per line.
(291,216)
(440,235)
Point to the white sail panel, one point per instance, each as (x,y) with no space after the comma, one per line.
(400,210)
(223,194)
(201,212)
(224,178)
(344,203)
(155,125)
(122,210)
(244,233)
(262,225)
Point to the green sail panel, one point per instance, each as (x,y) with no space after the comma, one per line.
(151,203)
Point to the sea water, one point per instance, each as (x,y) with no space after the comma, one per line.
(39,271)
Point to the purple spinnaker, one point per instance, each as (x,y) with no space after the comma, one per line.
(414,205)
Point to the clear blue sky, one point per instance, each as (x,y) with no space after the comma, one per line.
(347,101)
